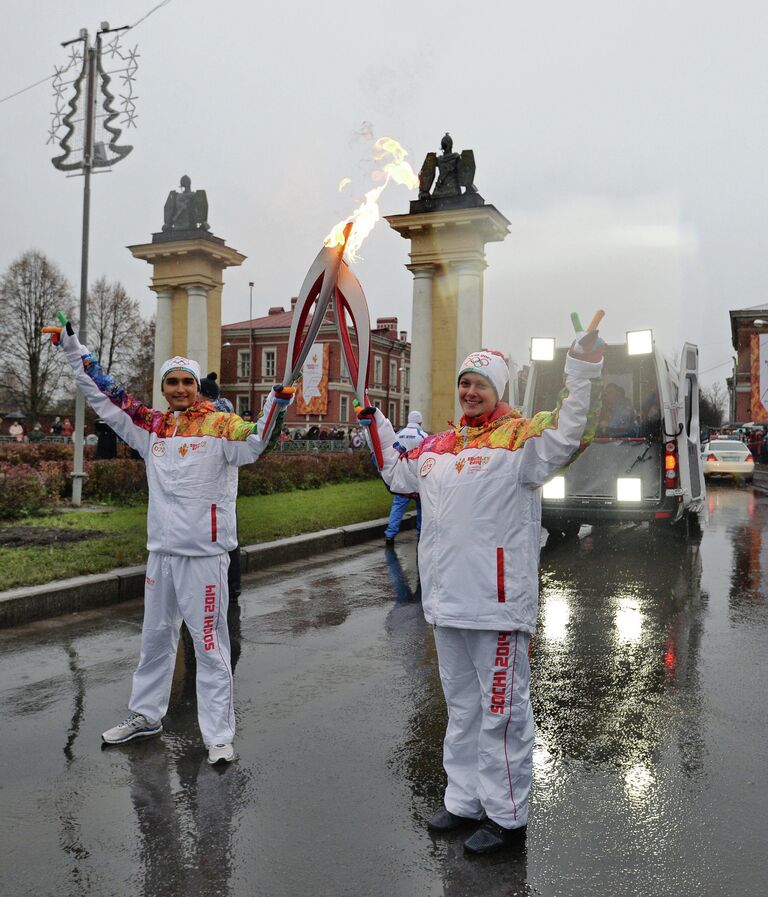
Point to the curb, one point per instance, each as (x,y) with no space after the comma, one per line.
(760,479)
(66,596)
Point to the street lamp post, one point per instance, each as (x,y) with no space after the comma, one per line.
(250,355)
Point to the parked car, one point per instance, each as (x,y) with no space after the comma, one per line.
(727,457)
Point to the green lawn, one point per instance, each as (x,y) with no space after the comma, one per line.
(261,518)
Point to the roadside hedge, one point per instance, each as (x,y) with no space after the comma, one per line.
(22,490)
(38,476)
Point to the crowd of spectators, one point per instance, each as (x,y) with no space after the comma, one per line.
(351,437)
(60,430)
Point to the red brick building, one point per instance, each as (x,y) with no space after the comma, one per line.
(388,374)
(749,336)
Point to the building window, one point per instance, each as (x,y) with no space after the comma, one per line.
(344,409)
(406,411)
(391,415)
(243,364)
(378,367)
(407,377)
(377,404)
(242,405)
(268,362)
(344,371)
(393,374)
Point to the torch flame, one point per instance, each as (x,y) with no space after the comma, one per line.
(367,213)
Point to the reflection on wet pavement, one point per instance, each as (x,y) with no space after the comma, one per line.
(650,696)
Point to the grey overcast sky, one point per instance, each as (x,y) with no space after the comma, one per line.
(626,142)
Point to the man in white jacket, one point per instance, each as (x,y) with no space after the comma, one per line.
(478,564)
(191,452)
(410,437)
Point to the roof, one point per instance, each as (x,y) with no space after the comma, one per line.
(281,319)
(741,313)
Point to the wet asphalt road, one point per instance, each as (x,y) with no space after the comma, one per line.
(650,683)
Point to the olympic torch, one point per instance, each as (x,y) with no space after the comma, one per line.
(318,289)
(330,280)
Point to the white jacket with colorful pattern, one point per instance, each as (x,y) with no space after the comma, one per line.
(481,504)
(191,458)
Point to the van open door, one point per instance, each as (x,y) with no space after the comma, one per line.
(688,446)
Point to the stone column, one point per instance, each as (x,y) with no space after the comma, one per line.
(449,240)
(163,341)
(197,326)
(421,344)
(469,313)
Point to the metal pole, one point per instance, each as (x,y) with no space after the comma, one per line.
(92,54)
(250,363)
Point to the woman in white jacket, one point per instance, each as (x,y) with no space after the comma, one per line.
(478,563)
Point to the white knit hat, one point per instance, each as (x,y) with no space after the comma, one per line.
(489,365)
(179,363)
(414,417)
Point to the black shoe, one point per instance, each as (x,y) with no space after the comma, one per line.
(492,837)
(443,820)
(388,541)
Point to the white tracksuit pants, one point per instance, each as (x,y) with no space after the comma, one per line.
(487,752)
(193,589)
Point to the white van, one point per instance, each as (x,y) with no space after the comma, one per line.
(644,462)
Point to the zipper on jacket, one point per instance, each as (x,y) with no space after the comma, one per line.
(172,472)
(500,576)
(436,552)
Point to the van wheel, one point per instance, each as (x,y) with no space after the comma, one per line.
(571,529)
(693,525)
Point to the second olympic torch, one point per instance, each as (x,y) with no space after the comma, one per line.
(330,280)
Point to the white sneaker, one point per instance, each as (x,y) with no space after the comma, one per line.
(220,753)
(134,726)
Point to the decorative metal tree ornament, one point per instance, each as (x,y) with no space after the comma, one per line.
(92,102)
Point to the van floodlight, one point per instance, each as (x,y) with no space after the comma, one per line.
(542,348)
(629,489)
(639,342)
(554,488)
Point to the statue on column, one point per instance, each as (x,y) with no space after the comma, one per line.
(186,209)
(455,170)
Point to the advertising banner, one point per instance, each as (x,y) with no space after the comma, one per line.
(312,394)
(758,364)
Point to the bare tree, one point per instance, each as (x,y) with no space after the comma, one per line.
(114,327)
(32,290)
(713,402)
(140,380)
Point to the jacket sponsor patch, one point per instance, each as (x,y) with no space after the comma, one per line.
(474,464)
(427,466)
(158,449)
(183,449)
(150,582)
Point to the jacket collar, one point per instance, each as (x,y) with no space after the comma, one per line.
(198,409)
(502,410)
